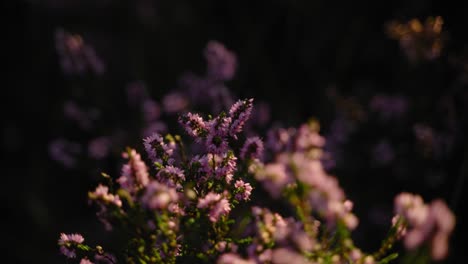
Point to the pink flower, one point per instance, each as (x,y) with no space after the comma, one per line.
(101,193)
(194,125)
(217,204)
(231,258)
(244,190)
(85,261)
(68,242)
(287,256)
(158,150)
(134,173)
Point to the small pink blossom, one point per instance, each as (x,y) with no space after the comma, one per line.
(85,261)
(134,173)
(244,190)
(217,204)
(194,125)
(68,242)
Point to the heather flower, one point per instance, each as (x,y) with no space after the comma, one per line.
(158,196)
(433,223)
(85,261)
(102,194)
(134,173)
(227,167)
(307,138)
(172,176)
(158,150)
(243,190)
(218,129)
(68,242)
(232,258)
(221,62)
(287,256)
(239,113)
(194,125)
(220,167)
(217,204)
(270,226)
(252,149)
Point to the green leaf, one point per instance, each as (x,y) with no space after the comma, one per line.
(388,258)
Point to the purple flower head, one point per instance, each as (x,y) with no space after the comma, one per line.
(194,125)
(239,113)
(158,150)
(221,167)
(172,176)
(221,62)
(68,243)
(244,190)
(252,149)
(227,167)
(134,173)
(218,129)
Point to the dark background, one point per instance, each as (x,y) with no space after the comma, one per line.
(290,53)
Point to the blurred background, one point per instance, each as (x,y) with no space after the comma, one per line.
(87,78)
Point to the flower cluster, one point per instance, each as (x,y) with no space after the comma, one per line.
(425,223)
(201,201)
